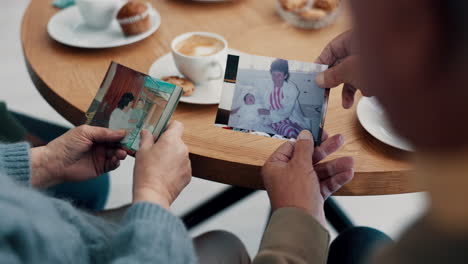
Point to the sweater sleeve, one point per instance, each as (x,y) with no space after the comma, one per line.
(293,236)
(424,242)
(150,234)
(14,162)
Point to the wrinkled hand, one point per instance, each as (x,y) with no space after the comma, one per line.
(293,178)
(82,153)
(162,169)
(340,55)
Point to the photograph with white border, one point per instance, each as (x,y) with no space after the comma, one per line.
(271,95)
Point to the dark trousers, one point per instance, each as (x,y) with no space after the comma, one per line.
(91,194)
(355,245)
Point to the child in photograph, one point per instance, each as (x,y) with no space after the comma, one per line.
(121,114)
(281,100)
(247,112)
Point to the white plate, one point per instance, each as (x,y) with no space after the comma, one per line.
(206,93)
(373,119)
(67,27)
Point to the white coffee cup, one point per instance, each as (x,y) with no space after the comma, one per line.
(99,14)
(200,69)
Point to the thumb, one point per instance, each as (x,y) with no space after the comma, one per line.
(146,139)
(343,72)
(100,134)
(304,147)
(174,129)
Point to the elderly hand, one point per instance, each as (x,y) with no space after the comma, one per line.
(293,178)
(339,54)
(82,153)
(162,169)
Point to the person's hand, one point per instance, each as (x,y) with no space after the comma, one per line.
(293,178)
(340,55)
(82,153)
(263,111)
(162,169)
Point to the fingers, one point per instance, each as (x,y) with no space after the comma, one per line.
(304,147)
(100,134)
(120,154)
(174,129)
(113,158)
(334,183)
(282,153)
(117,152)
(146,139)
(336,49)
(324,135)
(331,168)
(327,147)
(343,72)
(113,164)
(347,94)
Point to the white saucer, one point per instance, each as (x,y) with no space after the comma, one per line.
(205,93)
(373,119)
(67,27)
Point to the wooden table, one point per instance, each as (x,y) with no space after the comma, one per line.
(68,79)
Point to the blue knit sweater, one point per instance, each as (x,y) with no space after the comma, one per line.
(35,228)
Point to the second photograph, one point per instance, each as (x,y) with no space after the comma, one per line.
(275,96)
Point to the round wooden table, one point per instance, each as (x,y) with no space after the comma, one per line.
(68,79)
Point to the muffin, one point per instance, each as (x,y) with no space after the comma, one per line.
(186,85)
(309,14)
(134,18)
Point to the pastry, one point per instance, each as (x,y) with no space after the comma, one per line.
(309,14)
(134,17)
(290,5)
(186,85)
(326,5)
(312,14)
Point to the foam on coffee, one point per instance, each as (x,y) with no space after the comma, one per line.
(199,46)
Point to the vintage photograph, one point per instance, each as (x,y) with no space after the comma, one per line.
(270,95)
(133,101)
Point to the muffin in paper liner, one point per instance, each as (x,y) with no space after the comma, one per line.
(135,18)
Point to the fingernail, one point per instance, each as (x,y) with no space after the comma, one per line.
(304,135)
(320,80)
(340,140)
(122,131)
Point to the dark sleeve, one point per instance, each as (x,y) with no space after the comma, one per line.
(10,129)
(425,243)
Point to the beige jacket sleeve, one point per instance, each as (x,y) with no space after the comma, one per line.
(293,236)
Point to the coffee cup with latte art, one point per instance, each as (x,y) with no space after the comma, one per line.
(200,56)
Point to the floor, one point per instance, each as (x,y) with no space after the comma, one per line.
(390,214)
